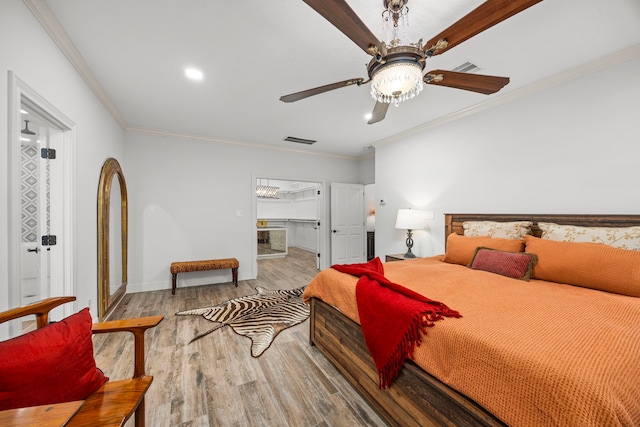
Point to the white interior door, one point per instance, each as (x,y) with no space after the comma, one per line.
(347,224)
(55,215)
(34,273)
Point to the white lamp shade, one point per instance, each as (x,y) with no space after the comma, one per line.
(371,223)
(411,219)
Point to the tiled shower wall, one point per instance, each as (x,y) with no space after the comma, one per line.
(29,174)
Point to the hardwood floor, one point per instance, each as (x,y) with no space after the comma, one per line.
(214,381)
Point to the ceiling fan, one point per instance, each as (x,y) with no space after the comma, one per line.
(395,71)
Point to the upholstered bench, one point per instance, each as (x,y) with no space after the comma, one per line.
(206,265)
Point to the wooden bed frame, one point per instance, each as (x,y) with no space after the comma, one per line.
(417,398)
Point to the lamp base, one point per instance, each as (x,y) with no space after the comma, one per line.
(409,242)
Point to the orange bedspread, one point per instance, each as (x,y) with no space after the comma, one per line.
(532,353)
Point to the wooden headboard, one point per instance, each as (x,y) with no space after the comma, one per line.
(453,222)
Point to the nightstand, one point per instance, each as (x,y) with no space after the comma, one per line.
(395,257)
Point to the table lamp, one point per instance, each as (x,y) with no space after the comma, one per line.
(410,219)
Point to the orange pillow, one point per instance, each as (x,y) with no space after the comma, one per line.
(591,265)
(460,249)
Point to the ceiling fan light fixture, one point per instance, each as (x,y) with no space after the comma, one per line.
(396,82)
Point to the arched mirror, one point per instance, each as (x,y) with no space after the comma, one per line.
(112,237)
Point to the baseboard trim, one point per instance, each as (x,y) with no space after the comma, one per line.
(133,288)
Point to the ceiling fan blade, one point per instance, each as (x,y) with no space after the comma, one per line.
(292,97)
(485,16)
(379,112)
(340,14)
(466,81)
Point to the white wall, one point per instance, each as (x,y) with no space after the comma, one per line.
(572,148)
(26,49)
(287,209)
(368,169)
(183,198)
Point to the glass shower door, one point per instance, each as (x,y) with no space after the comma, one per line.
(35,219)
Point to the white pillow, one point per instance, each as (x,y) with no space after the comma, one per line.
(504,230)
(618,237)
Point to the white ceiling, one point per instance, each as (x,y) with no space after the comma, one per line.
(254,51)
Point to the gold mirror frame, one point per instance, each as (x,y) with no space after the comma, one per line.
(106,301)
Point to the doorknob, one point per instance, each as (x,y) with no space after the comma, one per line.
(36,250)
(335,231)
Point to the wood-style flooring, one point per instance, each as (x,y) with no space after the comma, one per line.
(214,381)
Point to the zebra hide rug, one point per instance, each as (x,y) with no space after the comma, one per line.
(261,316)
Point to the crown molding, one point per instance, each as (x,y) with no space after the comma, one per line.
(51,25)
(615,58)
(234,142)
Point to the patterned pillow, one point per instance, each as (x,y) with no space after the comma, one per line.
(517,265)
(504,230)
(618,237)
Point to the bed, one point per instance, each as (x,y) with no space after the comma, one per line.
(596,379)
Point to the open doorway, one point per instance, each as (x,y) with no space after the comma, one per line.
(40,201)
(288,221)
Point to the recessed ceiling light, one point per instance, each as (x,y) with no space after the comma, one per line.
(24,111)
(193,73)
(368,116)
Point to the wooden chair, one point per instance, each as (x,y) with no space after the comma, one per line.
(114,402)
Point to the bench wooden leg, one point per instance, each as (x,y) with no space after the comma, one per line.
(234,273)
(174,277)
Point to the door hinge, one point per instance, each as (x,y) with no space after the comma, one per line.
(318,223)
(318,255)
(318,192)
(48,153)
(49,240)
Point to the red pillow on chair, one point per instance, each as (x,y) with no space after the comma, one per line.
(52,364)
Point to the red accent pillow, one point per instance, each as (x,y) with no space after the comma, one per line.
(52,364)
(517,265)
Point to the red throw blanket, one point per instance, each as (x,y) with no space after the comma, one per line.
(393,318)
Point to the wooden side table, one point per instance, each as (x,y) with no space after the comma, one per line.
(395,257)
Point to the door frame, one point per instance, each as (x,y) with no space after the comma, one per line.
(323,233)
(19,91)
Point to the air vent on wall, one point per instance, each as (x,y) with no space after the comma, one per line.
(467,67)
(300,140)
